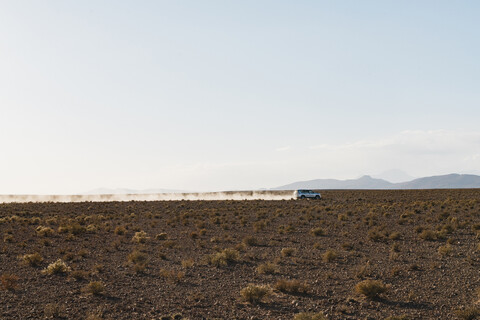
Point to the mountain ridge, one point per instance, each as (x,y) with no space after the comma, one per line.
(448,181)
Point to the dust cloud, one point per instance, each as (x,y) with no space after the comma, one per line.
(227,195)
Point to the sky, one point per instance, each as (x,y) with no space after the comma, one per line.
(234,95)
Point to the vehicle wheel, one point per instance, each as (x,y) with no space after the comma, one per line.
(317,197)
(302,197)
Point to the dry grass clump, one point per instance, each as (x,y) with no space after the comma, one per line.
(57,267)
(161,236)
(428,235)
(54,310)
(9,281)
(309,316)
(223,258)
(255,294)
(139,261)
(140,237)
(44,231)
(250,241)
(445,250)
(187,264)
(34,259)
(120,230)
(96,288)
(329,256)
(267,268)
(172,275)
(371,288)
(291,286)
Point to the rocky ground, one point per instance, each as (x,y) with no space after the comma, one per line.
(192,259)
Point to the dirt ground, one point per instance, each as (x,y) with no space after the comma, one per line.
(154,259)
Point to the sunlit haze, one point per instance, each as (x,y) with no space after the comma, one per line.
(234,95)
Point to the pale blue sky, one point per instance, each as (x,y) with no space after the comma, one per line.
(216,95)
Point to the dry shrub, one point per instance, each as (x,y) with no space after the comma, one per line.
(34,259)
(428,235)
(54,310)
(186,264)
(44,231)
(309,316)
(140,237)
(370,288)
(329,256)
(445,250)
(172,275)
(255,294)
(96,288)
(57,267)
(9,281)
(291,286)
(223,258)
(267,268)
(250,241)
(120,230)
(138,257)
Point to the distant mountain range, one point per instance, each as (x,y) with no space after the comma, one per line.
(449,181)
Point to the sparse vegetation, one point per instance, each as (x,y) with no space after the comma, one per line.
(370,288)
(57,267)
(255,294)
(310,255)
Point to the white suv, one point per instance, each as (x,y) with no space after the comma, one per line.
(303,194)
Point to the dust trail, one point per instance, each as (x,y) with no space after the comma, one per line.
(227,195)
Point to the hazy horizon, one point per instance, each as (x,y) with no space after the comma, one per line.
(218,95)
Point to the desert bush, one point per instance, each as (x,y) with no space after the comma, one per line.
(172,275)
(223,258)
(255,294)
(95,288)
(161,236)
(445,250)
(9,281)
(76,229)
(44,231)
(54,310)
(140,237)
(186,264)
(138,257)
(291,286)
(120,230)
(394,236)
(428,235)
(309,316)
(34,259)
(57,267)
(267,268)
(370,288)
(329,256)
(91,228)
